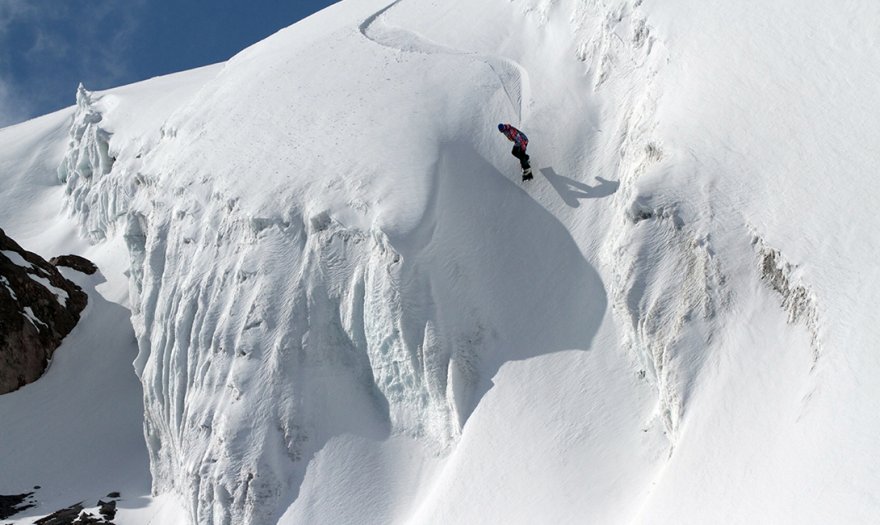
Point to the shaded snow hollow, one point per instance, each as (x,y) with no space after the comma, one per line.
(349,309)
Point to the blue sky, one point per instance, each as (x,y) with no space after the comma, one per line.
(48,46)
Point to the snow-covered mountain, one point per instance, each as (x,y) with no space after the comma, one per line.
(348,309)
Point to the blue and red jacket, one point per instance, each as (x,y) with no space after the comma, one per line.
(514,135)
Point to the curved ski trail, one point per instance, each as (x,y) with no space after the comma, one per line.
(512,76)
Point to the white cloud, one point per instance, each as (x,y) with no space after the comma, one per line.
(11,10)
(12,108)
(110,57)
(48,46)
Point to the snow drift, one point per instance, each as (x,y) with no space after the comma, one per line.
(347,308)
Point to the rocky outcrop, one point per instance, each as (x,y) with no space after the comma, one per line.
(80,264)
(38,308)
(12,505)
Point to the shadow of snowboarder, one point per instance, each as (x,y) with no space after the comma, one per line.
(572,191)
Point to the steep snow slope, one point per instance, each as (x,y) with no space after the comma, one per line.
(774,131)
(308,263)
(30,191)
(349,309)
(77,433)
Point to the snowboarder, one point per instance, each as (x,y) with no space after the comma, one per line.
(520,142)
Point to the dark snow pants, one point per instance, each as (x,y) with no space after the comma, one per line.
(520,153)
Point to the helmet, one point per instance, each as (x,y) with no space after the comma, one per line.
(500,127)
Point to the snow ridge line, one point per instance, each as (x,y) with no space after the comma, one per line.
(514,81)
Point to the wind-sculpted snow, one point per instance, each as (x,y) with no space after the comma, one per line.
(248,367)
(270,323)
(349,308)
(797,299)
(512,76)
(96,201)
(262,338)
(667,285)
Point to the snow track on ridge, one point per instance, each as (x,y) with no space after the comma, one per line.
(223,294)
(345,307)
(512,76)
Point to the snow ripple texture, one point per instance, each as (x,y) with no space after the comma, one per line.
(667,287)
(328,240)
(329,360)
(265,330)
(262,336)
(252,365)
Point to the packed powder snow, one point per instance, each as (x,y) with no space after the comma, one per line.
(348,307)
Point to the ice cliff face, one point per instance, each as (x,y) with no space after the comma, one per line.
(260,336)
(326,239)
(268,325)
(271,317)
(93,197)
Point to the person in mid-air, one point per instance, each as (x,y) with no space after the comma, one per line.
(520,142)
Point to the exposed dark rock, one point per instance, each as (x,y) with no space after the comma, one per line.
(80,264)
(12,505)
(108,510)
(72,515)
(114,495)
(38,308)
(62,517)
(76,515)
(798,300)
(87,518)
